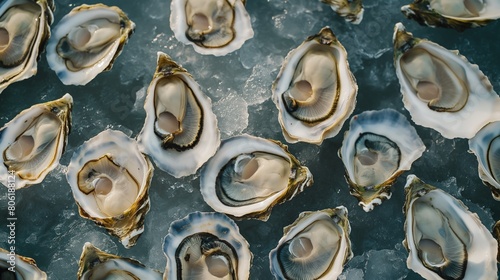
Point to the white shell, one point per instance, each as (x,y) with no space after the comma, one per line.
(481,107)
(391,125)
(25,268)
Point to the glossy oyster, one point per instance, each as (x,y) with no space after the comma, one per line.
(249,175)
(379,146)
(206,246)
(110,178)
(441,89)
(180,131)
(456,14)
(486,146)
(95,264)
(87,41)
(24,30)
(315,91)
(215,27)
(32,143)
(444,240)
(17,267)
(315,246)
(351,10)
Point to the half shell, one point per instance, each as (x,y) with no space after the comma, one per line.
(351,10)
(17,267)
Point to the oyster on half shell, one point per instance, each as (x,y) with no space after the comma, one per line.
(315,91)
(24,268)
(444,240)
(441,89)
(351,10)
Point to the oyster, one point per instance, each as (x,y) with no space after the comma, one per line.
(456,14)
(351,10)
(17,267)
(110,178)
(215,27)
(496,233)
(32,143)
(486,146)
(444,240)
(315,91)
(180,131)
(95,264)
(249,175)
(206,246)
(315,246)
(87,41)
(441,89)
(24,30)
(379,146)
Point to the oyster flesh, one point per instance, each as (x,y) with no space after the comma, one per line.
(180,131)
(456,14)
(24,30)
(249,175)
(315,92)
(17,267)
(444,240)
(441,89)
(206,246)
(351,10)
(32,143)
(87,41)
(215,27)
(379,146)
(315,246)
(110,179)
(95,264)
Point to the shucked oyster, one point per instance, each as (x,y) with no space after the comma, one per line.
(110,178)
(32,143)
(444,240)
(206,246)
(315,91)
(180,131)
(87,41)
(249,175)
(215,27)
(457,14)
(24,30)
(315,246)
(95,264)
(441,89)
(379,146)
(351,10)
(13,266)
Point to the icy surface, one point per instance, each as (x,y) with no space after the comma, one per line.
(50,230)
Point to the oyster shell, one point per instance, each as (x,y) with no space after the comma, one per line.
(206,246)
(87,41)
(95,264)
(315,92)
(24,30)
(110,179)
(441,89)
(496,233)
(180,131)
(215,27)
(456,14)
(315,246)
(17,267)
(379,146)
(249,175)
(351,10)
(444,240)
(32,143)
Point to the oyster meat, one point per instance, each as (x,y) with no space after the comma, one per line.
(87,41)
(215,27)
(110,179)
(444,240)
(315,92)
(441,89)
(206,246)
(95,264)
(180,131)
(24,30)
(32,143)
(315,246)
(379,146)
(351,10)
(13,266)
(249,175)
